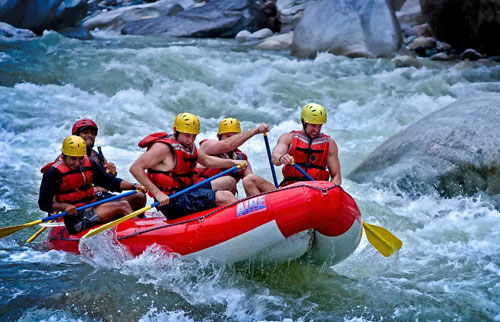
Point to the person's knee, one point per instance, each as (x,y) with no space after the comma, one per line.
(224,196)
(249,180)
(123,207)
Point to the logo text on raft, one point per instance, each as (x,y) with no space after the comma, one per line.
(251,206)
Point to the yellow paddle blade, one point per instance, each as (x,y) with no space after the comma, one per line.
(382,239)
(113,223)
(6,231)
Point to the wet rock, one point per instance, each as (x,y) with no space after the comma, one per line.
(364,28)
(117,19)
(277,42)
(243,36)
(40,15)
(223,19)
(465,23)
(406,61)
(410,13)
(441,46)
(77,32)
(470,54)
(8,32)
(453,151)
(262,33)
(423,42)
(441,57)
(424,30)
(290,12)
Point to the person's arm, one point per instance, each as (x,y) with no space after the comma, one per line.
(214,147)
(209,161)
(152,157)
(106,180)
(334,163)
(280,152)
(51,181)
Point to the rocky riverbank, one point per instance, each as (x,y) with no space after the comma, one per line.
(405,29)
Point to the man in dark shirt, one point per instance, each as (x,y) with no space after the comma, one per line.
(68,184)
(87,129)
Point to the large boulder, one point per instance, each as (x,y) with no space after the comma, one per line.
(452,151)
(465,23)
(117,19)
(354,28)
(410,13)
(215,19)
(290,12)
(40,15)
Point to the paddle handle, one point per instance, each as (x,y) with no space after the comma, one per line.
(296,166)
(94,204)
(268,149)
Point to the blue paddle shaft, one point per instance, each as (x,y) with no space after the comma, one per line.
(270,161)
(155,204)
(303,172)
(94,204)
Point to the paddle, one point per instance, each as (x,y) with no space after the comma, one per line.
(35,235)
(380,238)
(113,223)
(270,160)
(6,231)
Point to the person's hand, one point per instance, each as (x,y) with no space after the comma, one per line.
(262,128)
(101,189)
(242,163)
(110,168)
(162,198)
(140,187)
(71,210)
(286,159)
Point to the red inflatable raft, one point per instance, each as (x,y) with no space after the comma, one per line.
(317,217)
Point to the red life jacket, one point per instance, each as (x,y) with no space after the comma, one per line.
(182,176)
(310,154)
(76,186)
(210,172)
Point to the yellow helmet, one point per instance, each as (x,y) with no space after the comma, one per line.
(229,125)
(74,146)
(313,113)
(187,123)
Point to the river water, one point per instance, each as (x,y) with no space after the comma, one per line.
(447,270)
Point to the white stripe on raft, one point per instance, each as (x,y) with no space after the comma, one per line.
(337,248)
(245,245)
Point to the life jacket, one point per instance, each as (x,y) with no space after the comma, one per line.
(310,154)
(76,186)
(183,174)
(210,172)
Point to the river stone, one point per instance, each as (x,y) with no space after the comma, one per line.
(277,42)
(453,151)
(353,28)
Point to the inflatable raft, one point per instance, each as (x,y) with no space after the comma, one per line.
(316,217)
